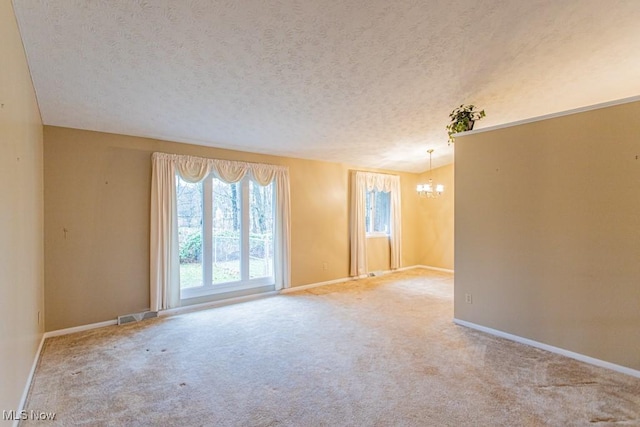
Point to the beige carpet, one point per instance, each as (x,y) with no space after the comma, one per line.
(377,352)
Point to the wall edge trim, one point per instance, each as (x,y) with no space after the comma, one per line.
(552,115)
(429,267)
(363,276)
(162,313)
(317,284)
(27,387)
(561,351)
(81,328)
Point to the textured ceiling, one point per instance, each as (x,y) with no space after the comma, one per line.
(369,83)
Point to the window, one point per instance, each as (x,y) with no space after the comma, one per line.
(226,236)
(377,213)
(228,250)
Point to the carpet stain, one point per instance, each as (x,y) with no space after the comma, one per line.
(603,420)
(430,370)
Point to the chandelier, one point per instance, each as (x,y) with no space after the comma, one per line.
(429,190)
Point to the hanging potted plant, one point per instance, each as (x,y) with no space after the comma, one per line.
(462,120)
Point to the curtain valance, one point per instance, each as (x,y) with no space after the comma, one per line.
(379,181)
(195,169)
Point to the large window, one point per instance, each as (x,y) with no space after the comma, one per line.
(210,239)
(377,213)
(226,236)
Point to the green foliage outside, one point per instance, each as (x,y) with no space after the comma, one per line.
(191,248)
(191,274)
(226,245)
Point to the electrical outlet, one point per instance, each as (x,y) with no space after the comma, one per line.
(468,298)
(325,265)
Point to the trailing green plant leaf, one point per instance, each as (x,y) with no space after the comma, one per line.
(461,119)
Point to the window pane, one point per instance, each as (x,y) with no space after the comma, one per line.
(261,226)
(226,243)
(381,216)
(189,233)
(367,210)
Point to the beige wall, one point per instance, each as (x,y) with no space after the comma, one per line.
(435,226)
(548,232)
(378,254)
(21,215)
(97,187)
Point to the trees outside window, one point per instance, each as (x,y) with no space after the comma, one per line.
(226,235)
(377,213)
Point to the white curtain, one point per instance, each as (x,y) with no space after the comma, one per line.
(165,262)
(361,183)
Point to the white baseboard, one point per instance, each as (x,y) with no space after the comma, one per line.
(428,267)
(80,328)
(25,392)
(363,276)
(169,312)
(315,285)
(552,349)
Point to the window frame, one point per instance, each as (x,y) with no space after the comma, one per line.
(208,288)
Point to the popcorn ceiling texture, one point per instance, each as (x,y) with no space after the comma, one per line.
(369,83)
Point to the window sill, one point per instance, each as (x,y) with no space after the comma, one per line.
(377,235)
(203,291)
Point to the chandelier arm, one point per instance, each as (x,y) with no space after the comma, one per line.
(429,190)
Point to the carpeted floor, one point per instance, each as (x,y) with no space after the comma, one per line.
(376,352)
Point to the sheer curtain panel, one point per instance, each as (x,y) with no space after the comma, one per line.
(361,183)
(165,268)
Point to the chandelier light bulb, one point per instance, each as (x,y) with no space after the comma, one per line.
(430,190)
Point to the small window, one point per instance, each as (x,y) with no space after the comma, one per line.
(377,213)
